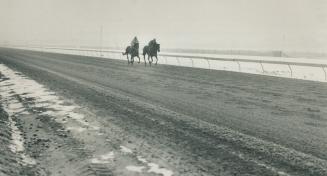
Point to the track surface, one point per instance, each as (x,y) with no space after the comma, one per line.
(193,121)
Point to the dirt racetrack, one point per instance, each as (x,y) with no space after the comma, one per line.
(163,119)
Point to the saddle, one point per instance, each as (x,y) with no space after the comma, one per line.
(135,46)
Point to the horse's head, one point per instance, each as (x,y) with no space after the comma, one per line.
(128,48)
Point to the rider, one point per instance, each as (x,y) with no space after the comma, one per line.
(152,42)
(135,43)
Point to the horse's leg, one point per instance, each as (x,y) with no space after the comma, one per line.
(156,59)
(144,59)
(127,59)
(139,58)
(149,59)
(130,59)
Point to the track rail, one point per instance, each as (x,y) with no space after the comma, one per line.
(209,59)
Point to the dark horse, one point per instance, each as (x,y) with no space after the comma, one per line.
(151,51)
(134,52)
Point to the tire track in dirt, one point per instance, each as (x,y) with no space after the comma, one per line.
(13,160)
(46,140)
(50,137)
(10,163)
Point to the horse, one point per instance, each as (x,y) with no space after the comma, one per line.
(134,52)
(151,51)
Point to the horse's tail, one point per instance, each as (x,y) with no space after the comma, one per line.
(126,50)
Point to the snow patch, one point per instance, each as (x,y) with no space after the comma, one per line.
(135,168)
(125,149)
(51,104)
(143,160)
(155,169)
(77,129)
(43,102)
(103,159)
(14,108)
(17,142)
(57,108)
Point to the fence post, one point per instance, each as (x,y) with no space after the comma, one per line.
(179,63)
(289,66)
(239,66)
(192,62)
(263,70)
(323,68)
(208,63)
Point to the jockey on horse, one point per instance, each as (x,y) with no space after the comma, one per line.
(151,50)
(152,43)
(135,44)
(133,50)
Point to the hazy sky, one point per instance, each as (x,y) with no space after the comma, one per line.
(214,24)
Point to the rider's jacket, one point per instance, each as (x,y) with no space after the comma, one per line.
(152,42)
(134,42)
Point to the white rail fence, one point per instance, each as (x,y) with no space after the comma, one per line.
(308,69)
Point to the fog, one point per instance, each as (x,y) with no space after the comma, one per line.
(209,24)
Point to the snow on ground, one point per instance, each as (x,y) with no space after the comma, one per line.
(43,97)
(135,168)
(55,106)
(125,149)
(14,108)
(105,158)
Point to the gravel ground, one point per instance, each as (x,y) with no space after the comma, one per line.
(164,120)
